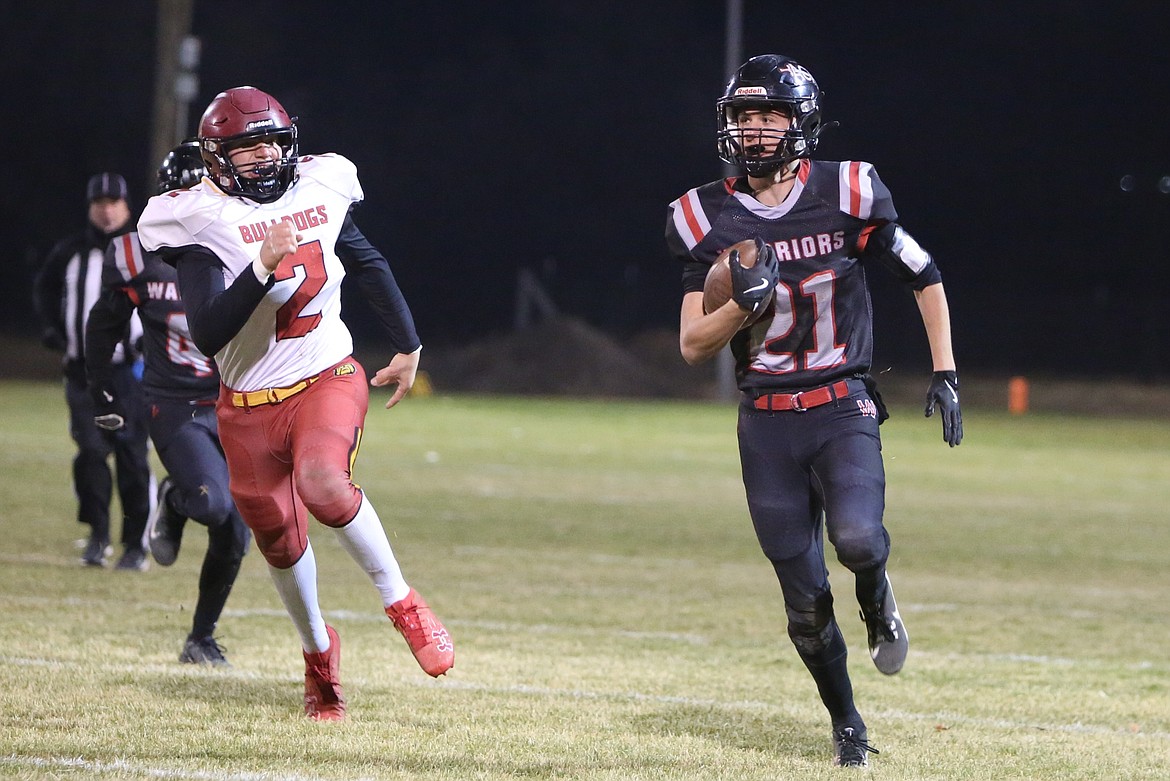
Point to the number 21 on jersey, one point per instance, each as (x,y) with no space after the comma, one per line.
(812,300)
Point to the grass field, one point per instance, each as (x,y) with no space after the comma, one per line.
(613,616)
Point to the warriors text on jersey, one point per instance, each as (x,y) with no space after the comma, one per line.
(296,330)
(838,215)
(174,366)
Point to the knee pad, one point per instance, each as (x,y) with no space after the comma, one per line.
(328,493)
(810,627)
(280,548)
(281,539)
(211,509)
(864,552)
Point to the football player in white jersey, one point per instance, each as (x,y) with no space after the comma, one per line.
(261,247)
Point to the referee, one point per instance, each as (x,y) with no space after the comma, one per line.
(64,291)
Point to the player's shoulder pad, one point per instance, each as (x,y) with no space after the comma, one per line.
(694,212)
(125,254)
(174,218)
(860,191)
(334,171)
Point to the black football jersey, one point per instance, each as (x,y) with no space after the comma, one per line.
(174,366)
(820,326)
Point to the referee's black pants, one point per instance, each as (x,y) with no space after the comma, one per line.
(92,480)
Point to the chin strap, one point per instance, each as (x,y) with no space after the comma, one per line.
(787,172)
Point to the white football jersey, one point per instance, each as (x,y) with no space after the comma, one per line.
(296,330)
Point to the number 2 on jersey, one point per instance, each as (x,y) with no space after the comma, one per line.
(308,261)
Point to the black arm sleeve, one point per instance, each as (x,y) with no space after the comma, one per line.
(108,323)
(372,271)
(214,313)
(890,245)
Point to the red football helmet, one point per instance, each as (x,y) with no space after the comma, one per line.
(241,117)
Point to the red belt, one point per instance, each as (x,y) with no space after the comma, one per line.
(799,402)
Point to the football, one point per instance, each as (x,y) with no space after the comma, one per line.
(717,287)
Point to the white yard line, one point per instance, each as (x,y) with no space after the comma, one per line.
(122,766)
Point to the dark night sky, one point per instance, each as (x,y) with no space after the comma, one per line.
(491,137)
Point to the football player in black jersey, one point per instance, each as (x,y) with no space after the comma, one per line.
(808,421)
(181,386)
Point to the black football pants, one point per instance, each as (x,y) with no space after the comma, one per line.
(805,469)
(186,437)
(92,481)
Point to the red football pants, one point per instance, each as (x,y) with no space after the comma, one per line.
(295,457)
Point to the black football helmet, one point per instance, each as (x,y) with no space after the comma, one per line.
(241,117)
(182,168)
(777,83)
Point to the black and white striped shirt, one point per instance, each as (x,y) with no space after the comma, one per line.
(68,285)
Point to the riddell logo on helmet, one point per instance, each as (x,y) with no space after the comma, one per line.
(260,123)
(750,91)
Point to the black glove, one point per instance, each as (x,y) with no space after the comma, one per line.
(108,412)
(53,339)
(944,389)
(752,288)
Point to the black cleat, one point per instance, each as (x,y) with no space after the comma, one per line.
(165,527)
(96,550)
(133,560)
(888,641)
(850,748)
(203,650)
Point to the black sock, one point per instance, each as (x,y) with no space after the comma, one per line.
(870,587)
(829,671)
(215,585)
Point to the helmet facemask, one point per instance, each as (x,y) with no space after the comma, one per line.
(265,181)
(763,151)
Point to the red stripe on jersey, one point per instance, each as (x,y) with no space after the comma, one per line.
(132,294)
(729,184)
(863,239)
(855,189)
(802,173)
(131,259)
(689,213)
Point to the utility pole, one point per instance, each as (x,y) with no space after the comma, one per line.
(175,80)
(733,55)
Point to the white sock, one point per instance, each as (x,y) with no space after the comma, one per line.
(365,541)
(297,587)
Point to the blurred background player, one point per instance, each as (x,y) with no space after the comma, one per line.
(64,292)
(181,386)
(808,420)
(261,249)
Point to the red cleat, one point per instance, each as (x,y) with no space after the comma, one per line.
(424,633)
(323,698)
